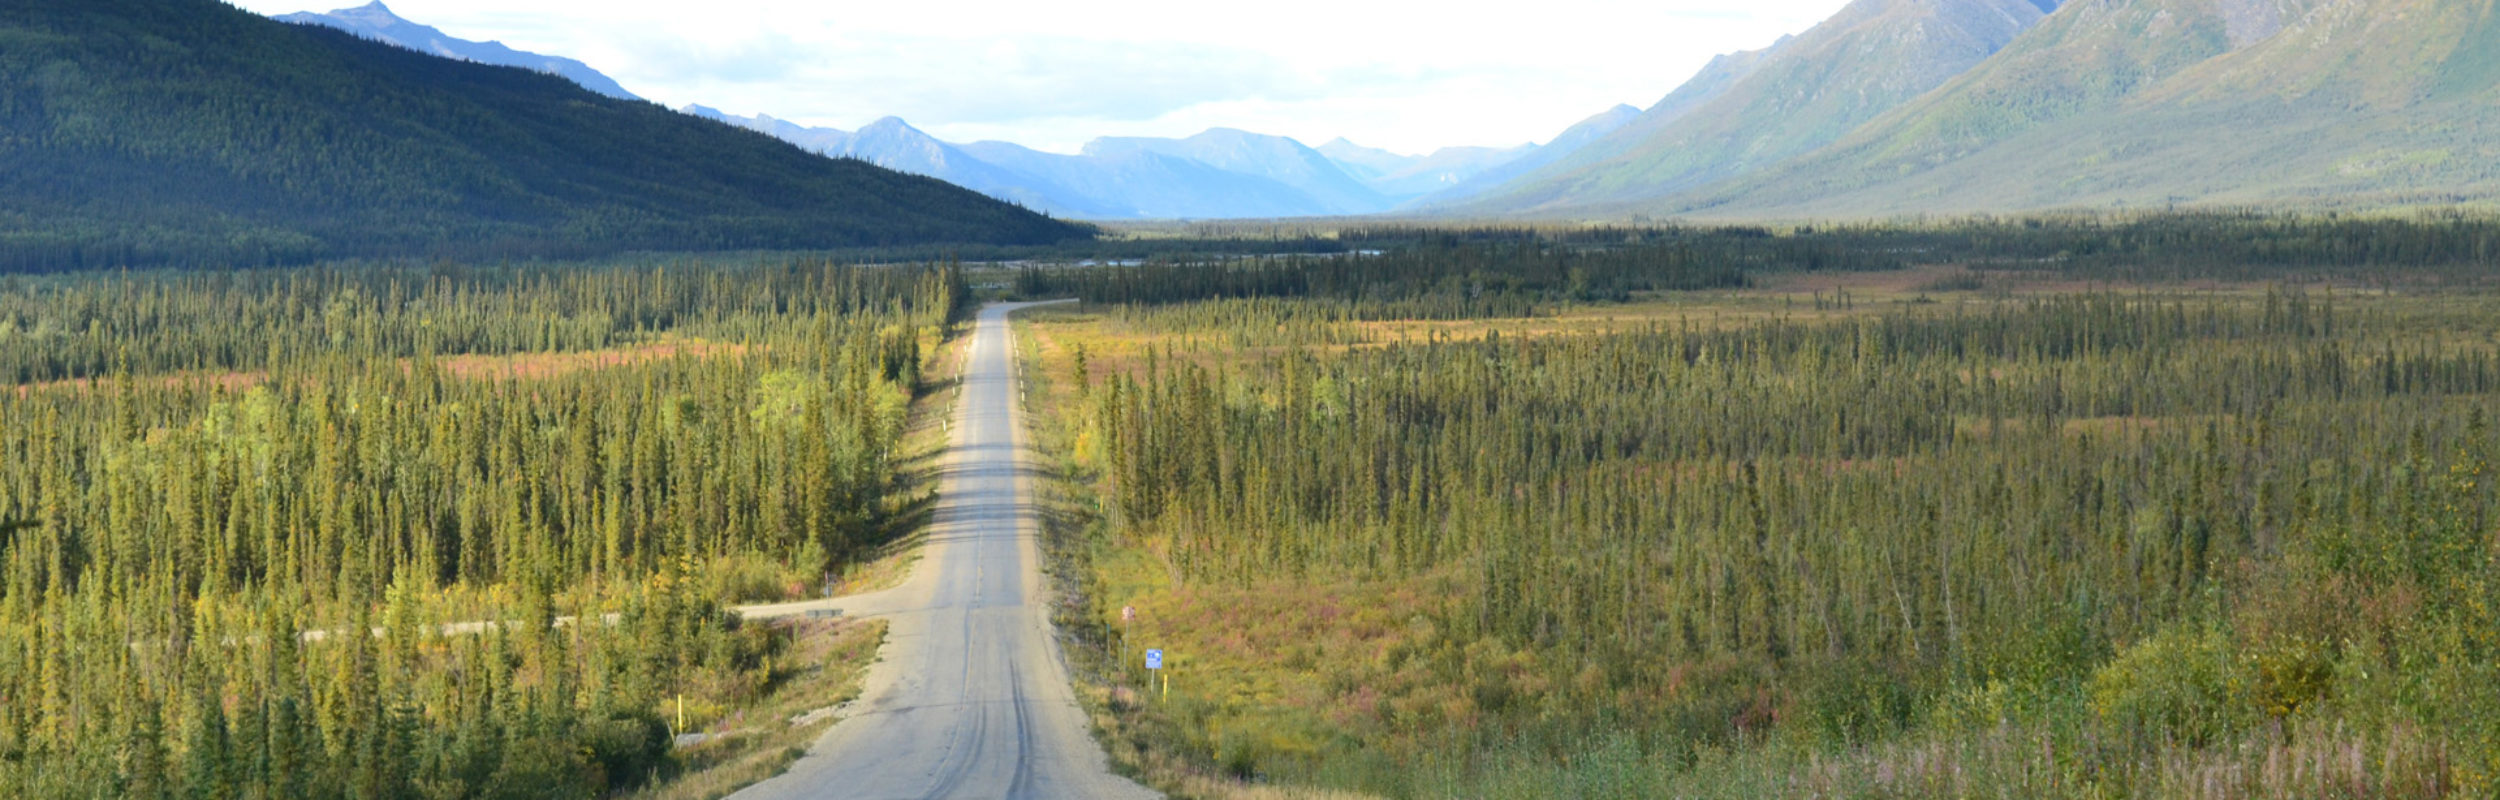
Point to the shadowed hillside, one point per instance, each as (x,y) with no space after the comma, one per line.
(187,131)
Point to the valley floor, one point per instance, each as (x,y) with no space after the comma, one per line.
(1921,450)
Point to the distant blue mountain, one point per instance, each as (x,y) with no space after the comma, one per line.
(1570,141)
(1275,158)
(1218,174)
(1365,163)
(1445,168)
(896,145)
(1143,185)
(1134,180)
(375,21)
(817,139)
(1451,174)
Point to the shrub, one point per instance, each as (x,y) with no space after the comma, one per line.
(545,769)
(628,747)
(2175,684)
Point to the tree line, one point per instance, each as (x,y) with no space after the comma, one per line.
(1419,281)
(1424,272)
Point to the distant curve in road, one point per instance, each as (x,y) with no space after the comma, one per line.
(970,698)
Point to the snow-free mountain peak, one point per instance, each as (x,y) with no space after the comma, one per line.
(1276,158)
(2156,103)
(376,21)
(1218,173)
(1749,111)
(1366,163)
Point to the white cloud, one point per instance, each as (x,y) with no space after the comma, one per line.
(1407,76)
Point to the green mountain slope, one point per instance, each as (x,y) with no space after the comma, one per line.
(1800,95)
(154,131)
(2136,103)
(1713,80)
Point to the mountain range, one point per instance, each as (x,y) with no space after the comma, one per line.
(1967,106)
(2295,103)
(1411,177)
(1888,107)
(157,131)
(1218,174)
(1564,145)
(1750,110)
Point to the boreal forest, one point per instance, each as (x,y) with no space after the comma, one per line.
(1988,399)
(411,532)
(1728,513)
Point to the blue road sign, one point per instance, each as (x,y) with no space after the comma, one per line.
(1154,659)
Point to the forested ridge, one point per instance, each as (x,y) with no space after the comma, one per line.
(2095,544)
(170,529)
(140,132)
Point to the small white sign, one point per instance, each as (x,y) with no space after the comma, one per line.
(1154,659)
(1128,613)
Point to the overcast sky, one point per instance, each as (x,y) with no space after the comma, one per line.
(1408,76)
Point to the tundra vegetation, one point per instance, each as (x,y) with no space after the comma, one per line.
(2164,506)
